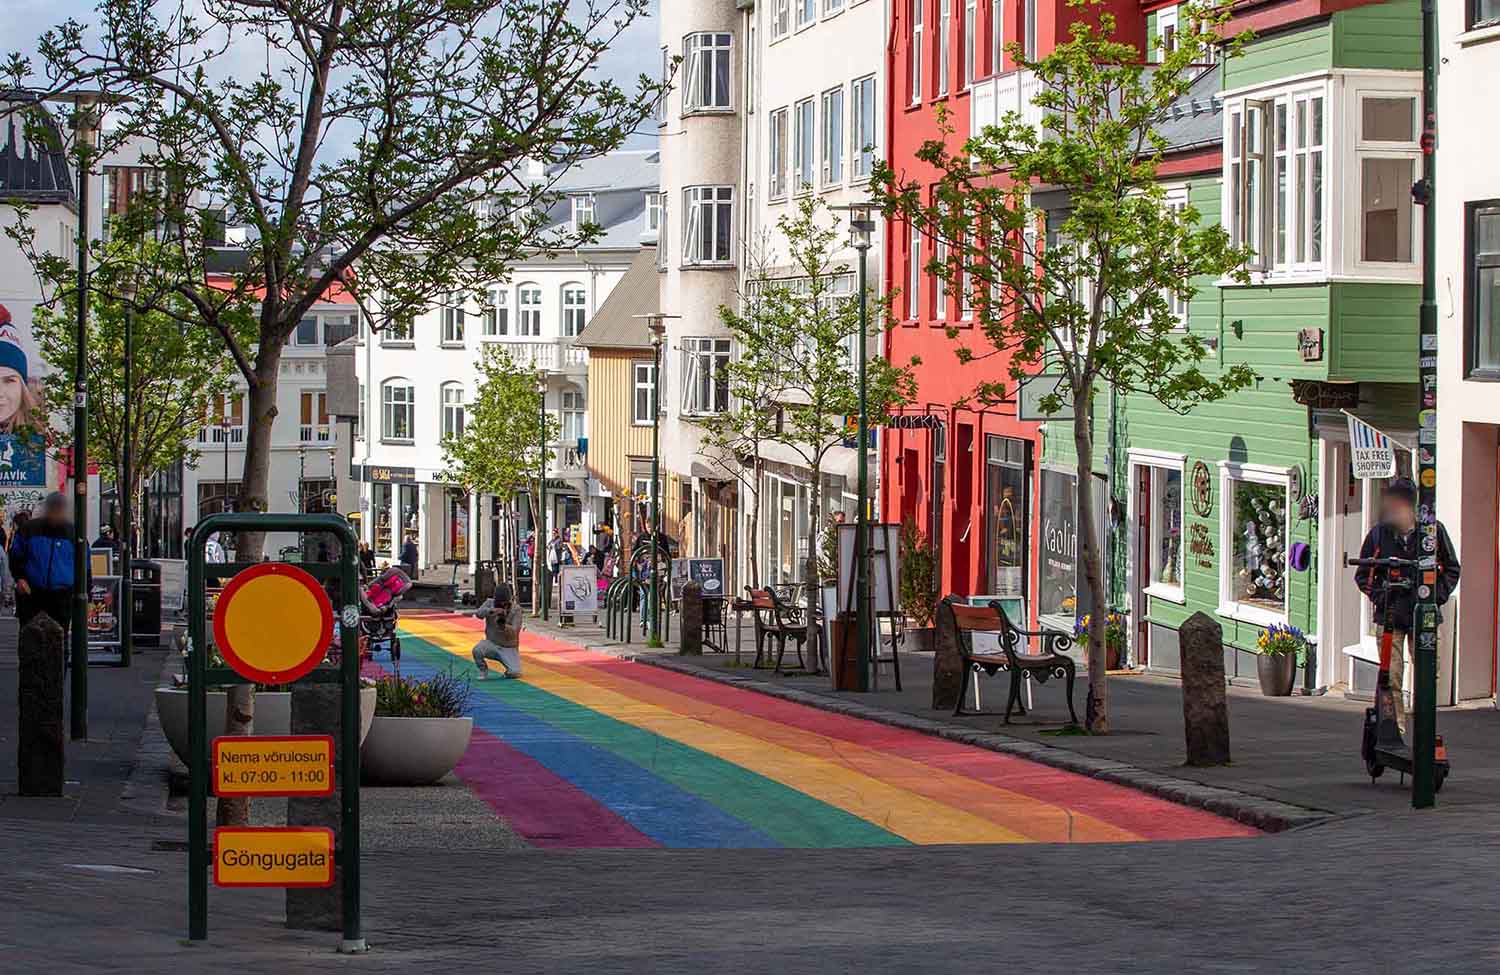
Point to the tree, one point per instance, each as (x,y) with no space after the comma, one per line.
(382,148)
(178,377)
(796,335)
(1093,305)
(503,442)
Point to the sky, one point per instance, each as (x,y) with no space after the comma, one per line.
(637,52)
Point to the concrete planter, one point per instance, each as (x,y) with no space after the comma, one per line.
(413,751)
(273,714)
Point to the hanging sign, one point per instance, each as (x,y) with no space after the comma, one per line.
(1373,453)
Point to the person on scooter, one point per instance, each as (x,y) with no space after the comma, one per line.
(1398,536)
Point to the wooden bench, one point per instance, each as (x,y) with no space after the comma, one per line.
(1012,654)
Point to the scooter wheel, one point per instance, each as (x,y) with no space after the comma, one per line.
(1375,769)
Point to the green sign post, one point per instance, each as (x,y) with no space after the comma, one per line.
(273,624)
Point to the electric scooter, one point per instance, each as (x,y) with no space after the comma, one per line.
(1383,746)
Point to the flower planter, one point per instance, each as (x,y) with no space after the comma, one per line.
(413,751)
(273,714)
(1114,656)
(1277,672)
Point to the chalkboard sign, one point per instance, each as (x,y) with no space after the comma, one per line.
(708,573)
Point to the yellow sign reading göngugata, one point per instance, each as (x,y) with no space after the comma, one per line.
(273,765)
(273,856)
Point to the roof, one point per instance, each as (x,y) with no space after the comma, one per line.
(1195,120)
(30,172)
(613,171)
(614,325)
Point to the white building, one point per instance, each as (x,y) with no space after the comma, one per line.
(773,102)
(414,384)
(1468,287)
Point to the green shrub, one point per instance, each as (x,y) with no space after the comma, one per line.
(441,696)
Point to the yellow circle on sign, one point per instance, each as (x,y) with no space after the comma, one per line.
(273,623)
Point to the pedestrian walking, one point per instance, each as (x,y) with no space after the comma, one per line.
(41,560)
(1398,536)
(502,633)
(409,557)
(366,560)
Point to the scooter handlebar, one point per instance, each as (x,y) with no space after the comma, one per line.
(1381,563)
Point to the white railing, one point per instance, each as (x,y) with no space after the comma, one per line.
(216,434)
(566,457)
(574,355)
(994,98)
(533,355)
(313,433)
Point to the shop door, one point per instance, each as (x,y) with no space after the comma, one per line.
(1140,571)
(1349,603)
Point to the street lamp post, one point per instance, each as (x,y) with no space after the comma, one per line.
(861,232)
(541,574)
(301,479)
(657,323)
(124,488)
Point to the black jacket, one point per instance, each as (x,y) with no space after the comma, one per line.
(1385,542)
(409,553)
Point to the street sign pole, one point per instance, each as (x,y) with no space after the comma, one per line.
(1424,691)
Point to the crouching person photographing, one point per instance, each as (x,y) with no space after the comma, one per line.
(502,633)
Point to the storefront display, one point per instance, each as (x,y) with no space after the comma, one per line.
(1057,595)
(1006,516)
(1258,536)
(383,520)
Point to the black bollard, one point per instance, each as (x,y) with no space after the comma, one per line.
(39,744)
(692,620)
(1205,705)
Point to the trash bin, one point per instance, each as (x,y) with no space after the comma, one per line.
(484,580)
(145,598)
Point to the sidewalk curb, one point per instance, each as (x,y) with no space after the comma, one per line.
(1268,815)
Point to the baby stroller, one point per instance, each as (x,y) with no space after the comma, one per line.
(379,614)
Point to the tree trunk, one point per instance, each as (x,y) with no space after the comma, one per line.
(1096,707)
(538,553)
(754,542)
(239,712)
(814,583)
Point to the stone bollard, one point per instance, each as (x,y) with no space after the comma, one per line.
(316,711)
(39,757)
(1205,705)
(691,640)
(947,660)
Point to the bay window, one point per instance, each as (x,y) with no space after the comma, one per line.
(1275,165)
(705,376)
(707,69)
(1388,152)
(708,225)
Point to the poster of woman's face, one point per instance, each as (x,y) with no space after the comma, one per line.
(22,414)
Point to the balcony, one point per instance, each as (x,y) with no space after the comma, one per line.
(557,355)
(569,458)
(994,98)
(314,433)
(219,435)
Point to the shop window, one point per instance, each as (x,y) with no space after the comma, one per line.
(1253,584)
(1057,578)
(1006,515)
(1164,555)
(1483,305)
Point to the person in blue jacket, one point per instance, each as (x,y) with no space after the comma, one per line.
(41,561)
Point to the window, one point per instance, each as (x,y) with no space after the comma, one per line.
(833,137)
(1159,497)
(971,23)
(1388,153)
(862,123)
(803,134)
(453,319)
(662,237)
(997,36)
(1247,155)
(914,51)
(453,410)
(1177,201)
(314,426)
(225,421)
(1007,519)
(1275,180)
(1166,33)
(643,389)
(1028,23)
(709,225)
(750,71)
(807,12)
(583,210)
(776,184)
(1482,236)
(945,39)
(398,331)
(1307,244)
(359,419)
(653,213)
(914,272)
(1484,13)
(781,19)
(496,318)
(575,305)
(707,57)
(666,76)
(832,6)
(1254,526)
(398,408)
(307,331)
(572,418)
(939,282)
(705,376)
(529,307)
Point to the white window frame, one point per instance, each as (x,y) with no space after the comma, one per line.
(807,13)
(454,325)
(572,412)
(970,63)
(528,313)
(575,308)
(642,380)
(583,210)
(781,19)
(940,254)
(914,273)
(804,147)
(945,45)
(831,7)
(1176,200)
(997,36)
(401,334)
(832,137)
(718,203)
(702,53)
(653,213)
(1229,472)
(389,404)
(776,151)
(1158,463)
(1029,28)
(451,402)
(1369,150)
(1166,19)
(862,163)
(700,352)
(495,317)
(317,331)
(914,51)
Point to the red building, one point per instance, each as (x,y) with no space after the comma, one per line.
(968,475)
